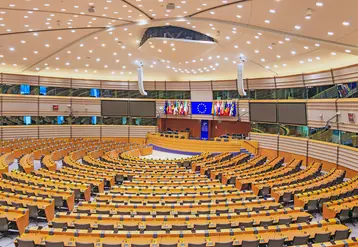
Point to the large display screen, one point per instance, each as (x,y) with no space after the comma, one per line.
(263,112)
(114,108)
(142,109)
(292,113)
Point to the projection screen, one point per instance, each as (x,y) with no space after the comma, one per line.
(263,112)
(292,113)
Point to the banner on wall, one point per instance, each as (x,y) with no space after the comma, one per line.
(201,108)
(224,108)
(176,107)
(204,130)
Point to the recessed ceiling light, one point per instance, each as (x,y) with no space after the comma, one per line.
(333,53)
(346,23)
(348,51)
(297,27)
(330,33)
(319,4)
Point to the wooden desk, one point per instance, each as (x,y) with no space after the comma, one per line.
(115,208)
(69,236)
(167,221)
(20,216)
(331,209)
(48,205)
(67,195)
(302,199)
(176,198)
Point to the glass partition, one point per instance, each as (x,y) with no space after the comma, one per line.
(144,121)
(226,95)
(291,93)
(265,128)
(294,130)
(115,121)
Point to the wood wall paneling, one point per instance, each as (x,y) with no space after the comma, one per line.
(224,85)
(19,105)
(346,74)
(289,81)
(316,108)
(318,78)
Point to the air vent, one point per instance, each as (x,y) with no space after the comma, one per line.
(171,6)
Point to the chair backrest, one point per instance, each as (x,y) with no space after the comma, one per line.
(276,242)
(98,211)
(223,244)
(83,211)
(300,240)
(341,234)
(140,245)
(111,245)
(168,245)
(303,219)
(79,244)
(4,224)
(153,227)
(82,226)
(266,223)
(130,227)
(197,245)
(250,243)
(54,244)
(58,201)
(59,224)
(286,196)
(33,211)
(284,221)
(322,237)
(246,224)
(179,227)
(201,226)
(17,205)
(355,212)
(223,226)
(258,208)
(105,227)
(25,243)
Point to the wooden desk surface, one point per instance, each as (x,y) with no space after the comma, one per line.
(331,209)
(48,205)
(167,221)
(69,237)
(18,215)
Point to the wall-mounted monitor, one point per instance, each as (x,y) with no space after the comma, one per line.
(292,113)
(114,108)
(263,112)
(142,109)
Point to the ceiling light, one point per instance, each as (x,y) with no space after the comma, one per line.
(297,27)
(330,33)
(319,4)
(346,23)
(348,51)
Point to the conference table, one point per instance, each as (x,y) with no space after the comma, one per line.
(70,236)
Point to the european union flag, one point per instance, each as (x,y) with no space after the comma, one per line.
(201,108)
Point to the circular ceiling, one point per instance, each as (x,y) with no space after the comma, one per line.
(100,38)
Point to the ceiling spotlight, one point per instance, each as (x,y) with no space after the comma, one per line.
(309,12)
(91,9)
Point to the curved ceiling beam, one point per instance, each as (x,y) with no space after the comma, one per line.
(135,7)
(217,7)
(65,13)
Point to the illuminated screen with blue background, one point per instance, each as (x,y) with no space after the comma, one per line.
(94,92)
(94,120)
(27,120)
(201,108)
(60,119)
(43,90)
(25,89)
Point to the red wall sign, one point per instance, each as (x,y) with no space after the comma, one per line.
(55,107)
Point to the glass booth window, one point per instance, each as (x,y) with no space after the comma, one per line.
(294,130)
(291,93)
(325,134)
(144,121)
(57,91)
(223,95)
(115,120)
(322,92)
(349,139)
(81,92)
(265,128)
